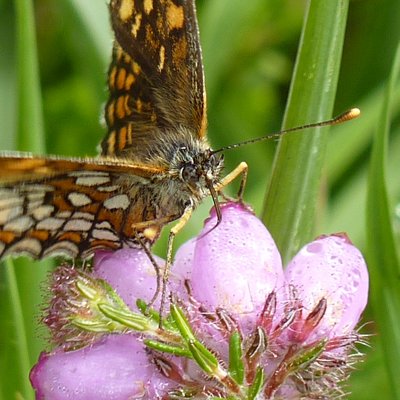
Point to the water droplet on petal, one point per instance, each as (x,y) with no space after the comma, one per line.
(314,247)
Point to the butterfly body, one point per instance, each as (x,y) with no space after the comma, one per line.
(74,206)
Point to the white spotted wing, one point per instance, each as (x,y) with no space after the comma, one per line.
(54,206)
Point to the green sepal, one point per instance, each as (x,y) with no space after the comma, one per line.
(142,306)
(306,357)
(182,323)
(204,358)
(236,366)
(168,348)
(225,398)
(99,290)
(147,311)
(256,386)
(154,315)
(86,290)
(128,319)
(112,294)
(184,393)
(95,326)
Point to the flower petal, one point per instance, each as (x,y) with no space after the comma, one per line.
(130,272)
(331,268)
(183,263)
(236,264)
(115,368)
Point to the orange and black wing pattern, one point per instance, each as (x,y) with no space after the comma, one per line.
(156,77)
(54,206)
(50,205)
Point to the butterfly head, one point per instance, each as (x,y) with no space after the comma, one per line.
(200,171)
(198,168)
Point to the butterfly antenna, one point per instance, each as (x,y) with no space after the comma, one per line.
(346,116)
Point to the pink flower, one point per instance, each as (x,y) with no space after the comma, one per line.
(115,367)
(291,333)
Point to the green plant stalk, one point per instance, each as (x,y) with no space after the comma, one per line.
(22,275)
(20,333)
(30,119)
(291,199)
(383,259)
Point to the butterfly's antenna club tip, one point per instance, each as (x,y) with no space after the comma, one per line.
(346,116)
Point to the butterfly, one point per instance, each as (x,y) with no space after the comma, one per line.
(155,164)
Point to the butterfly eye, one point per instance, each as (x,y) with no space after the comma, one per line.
(189,174)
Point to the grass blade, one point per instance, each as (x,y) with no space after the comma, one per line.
(23,278)
(289,208)
(383,259)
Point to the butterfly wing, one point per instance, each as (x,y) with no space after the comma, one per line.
(156,77)
(71,206)
(74,206)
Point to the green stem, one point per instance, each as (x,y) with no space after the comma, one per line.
(20,332)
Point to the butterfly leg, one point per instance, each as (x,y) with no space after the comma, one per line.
(149,229)
(156,269)
(240,170)
(173,232)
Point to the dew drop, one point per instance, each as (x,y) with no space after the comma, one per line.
(314,247)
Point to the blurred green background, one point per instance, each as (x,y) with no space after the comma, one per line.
(249,50)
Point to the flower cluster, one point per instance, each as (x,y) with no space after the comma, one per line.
(240,327)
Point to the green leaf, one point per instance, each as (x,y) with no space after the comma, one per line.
(290,204)
(383,258)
